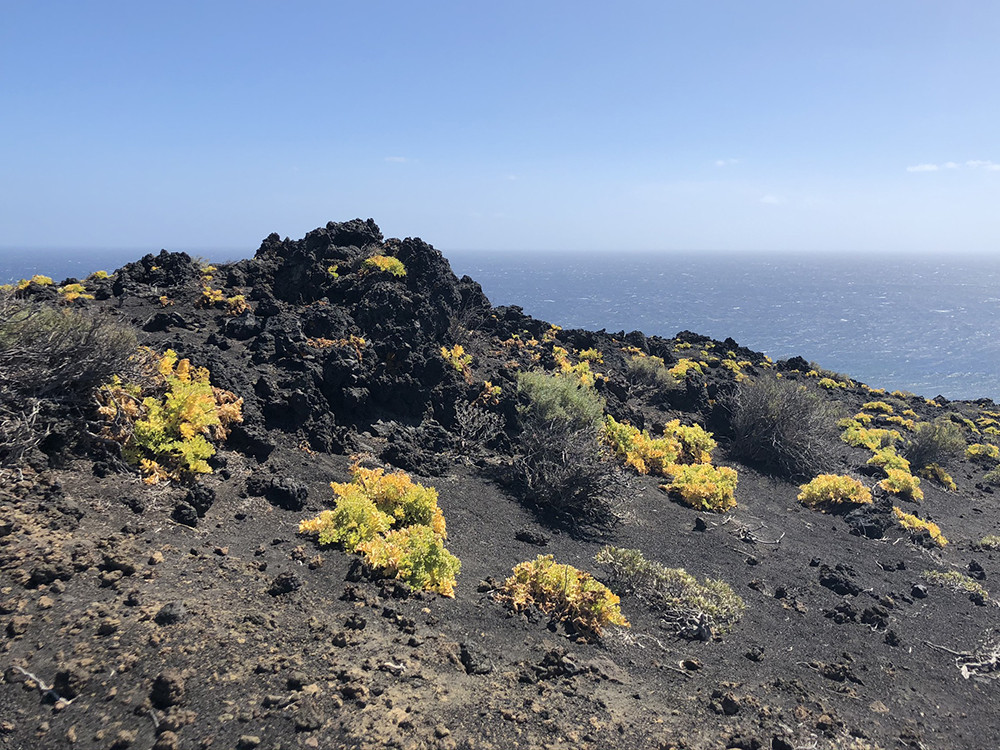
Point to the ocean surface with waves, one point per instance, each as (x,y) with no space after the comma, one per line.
(930,325)
(926,324)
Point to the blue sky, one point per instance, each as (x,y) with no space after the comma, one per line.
(735,125)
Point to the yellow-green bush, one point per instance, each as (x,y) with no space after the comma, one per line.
(72,292)
(682,598)
(983,452)
(939,475)
(830,383)
(833,491)
(564,592)
(684,367)
(902,484)
(907,424)
(704,486)
(355,520)
(877,407)
(696,444)
(581,370)
(887,458)
(457,359)
(167,434)
(591,355)
(911,523)
(871,438)
(395,522)
(643,453)
(36,279)
(384,264)
(416,555)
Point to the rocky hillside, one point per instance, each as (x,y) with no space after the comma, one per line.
(193,612)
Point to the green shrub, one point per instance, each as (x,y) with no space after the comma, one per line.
(990,541)
(568,594)
(829,491)
(384,264)
(650,371)
(704,487)
(993,476)
(689,605)
(559,397)
(51,361)
(560,468)
(933,443)
(902,484)
(780,427)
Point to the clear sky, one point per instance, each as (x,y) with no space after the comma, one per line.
(739,124)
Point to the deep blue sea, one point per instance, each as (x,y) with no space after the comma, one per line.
(924,324)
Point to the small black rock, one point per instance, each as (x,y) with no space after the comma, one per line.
(285,583)
(171,613)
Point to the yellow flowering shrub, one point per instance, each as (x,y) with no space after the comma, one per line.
(696,443)
(564,592)
(72,292)
(384,264)
(684,367)
(416,555)
(902,484)
(36,279)
(869,437)
(832,491)
(457,359)
(704,486)
(887,458)
(911,523)
(983,452)
(168,434)
(394,522)
(935,473)
(877,407)
(645,454)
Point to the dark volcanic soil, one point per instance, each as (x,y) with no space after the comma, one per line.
(123,628)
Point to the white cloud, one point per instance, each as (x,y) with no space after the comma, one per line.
(397,159)
(726,162)
(986,164)
(772,200)
(981,164)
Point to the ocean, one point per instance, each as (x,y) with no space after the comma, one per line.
(923,324)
